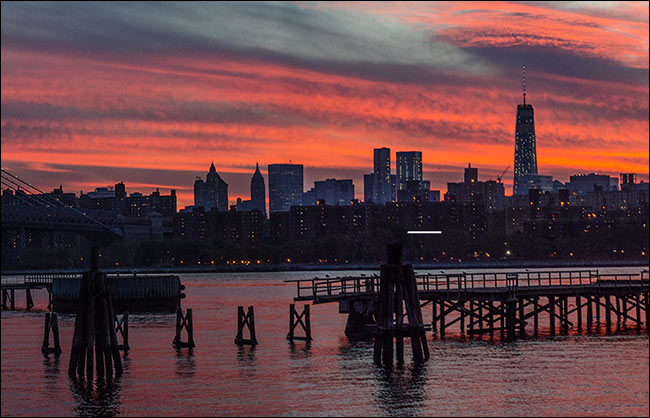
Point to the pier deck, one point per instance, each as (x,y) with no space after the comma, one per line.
(132,293)
(501,301)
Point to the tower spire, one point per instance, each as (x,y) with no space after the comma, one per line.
(524,82)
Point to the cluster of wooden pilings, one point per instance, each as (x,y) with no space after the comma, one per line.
(95,342)
(512,315)
(398,293)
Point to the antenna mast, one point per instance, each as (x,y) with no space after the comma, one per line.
(524,83)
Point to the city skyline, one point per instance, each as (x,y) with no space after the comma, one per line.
(77,109)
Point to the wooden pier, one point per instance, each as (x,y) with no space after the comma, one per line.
(507,305)
(131,293)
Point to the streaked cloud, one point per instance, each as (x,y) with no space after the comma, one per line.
(144,91)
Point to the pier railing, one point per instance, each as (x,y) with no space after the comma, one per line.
(360,285)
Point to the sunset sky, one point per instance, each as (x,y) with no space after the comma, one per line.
(150,93)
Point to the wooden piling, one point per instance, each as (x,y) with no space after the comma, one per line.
(536,316)
(502,318)
(522,322)
(565,314)
(551,310)
(122,326)
(184,322)
(461,306)
(302,320)
(245,320)
(94,329)
(442,320)
(471,318)
(608,312)
(434,319)
(638,311)
(579,312)
(51,323)
(398,293)
(28,299)
(491,319)
(589,312)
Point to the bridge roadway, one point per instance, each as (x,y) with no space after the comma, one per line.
(501,301)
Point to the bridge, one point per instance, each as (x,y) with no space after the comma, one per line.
(35,210)
(503,302)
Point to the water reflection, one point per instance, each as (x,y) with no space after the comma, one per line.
(185,363)
(299,351)
(52,367)
(401,390)
(100,399)
(246,360)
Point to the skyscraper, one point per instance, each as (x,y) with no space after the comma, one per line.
(258,191)
(525,147)
(383,192)
(409,167)
(285,186)
(213,193)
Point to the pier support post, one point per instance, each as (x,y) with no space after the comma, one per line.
(13,299)
(551,310)
(638,311)
(245,320)
(28,299)
(302,319)
(608,312)
(536,316)
(491,318)
(461,308)
(471,318)
(184,321)
(502,317)
(442,320)
(434,319)
(511,319)
(565,314)
(589,313)
(122,326)
(579,311)
(51,323)
(522,322)
(361,316)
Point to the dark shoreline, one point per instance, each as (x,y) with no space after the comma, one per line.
(500,264)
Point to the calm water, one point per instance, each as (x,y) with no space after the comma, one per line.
(568,375)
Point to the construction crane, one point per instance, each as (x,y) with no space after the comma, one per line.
(504,172)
